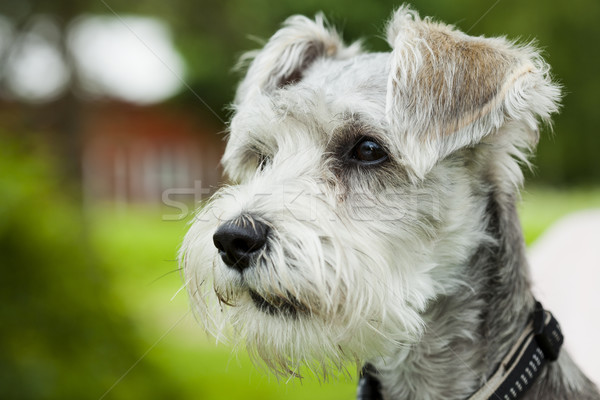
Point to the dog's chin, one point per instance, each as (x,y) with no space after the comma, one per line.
(291,332)
(288,323)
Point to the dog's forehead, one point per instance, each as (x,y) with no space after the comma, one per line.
(343,82)
(330,91)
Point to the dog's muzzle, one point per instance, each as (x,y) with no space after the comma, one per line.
(239,241)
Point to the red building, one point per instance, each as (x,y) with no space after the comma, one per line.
(140,154)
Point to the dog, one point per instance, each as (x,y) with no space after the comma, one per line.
(371,216)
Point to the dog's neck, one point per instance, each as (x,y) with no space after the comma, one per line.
(469,332)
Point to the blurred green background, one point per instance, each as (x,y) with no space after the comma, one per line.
(110,122)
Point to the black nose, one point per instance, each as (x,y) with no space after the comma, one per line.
(239,240)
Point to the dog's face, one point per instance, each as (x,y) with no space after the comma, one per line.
(356,181)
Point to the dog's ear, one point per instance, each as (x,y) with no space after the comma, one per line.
(447,90)
(288,53)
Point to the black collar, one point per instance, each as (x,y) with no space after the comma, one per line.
(539,344)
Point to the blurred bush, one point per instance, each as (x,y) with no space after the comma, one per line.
(63,335)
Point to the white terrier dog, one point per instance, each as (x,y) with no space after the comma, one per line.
(373,217)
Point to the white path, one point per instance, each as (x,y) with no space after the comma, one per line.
(565,264)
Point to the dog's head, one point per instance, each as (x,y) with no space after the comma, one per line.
(357,184)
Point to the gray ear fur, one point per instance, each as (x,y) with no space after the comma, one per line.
(289,52)
(448,90)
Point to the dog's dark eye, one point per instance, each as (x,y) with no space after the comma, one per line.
(369,152)
(263,161)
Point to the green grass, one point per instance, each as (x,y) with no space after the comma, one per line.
(140,248)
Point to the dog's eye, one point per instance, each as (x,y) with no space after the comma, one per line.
(263,162)
(369,152)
